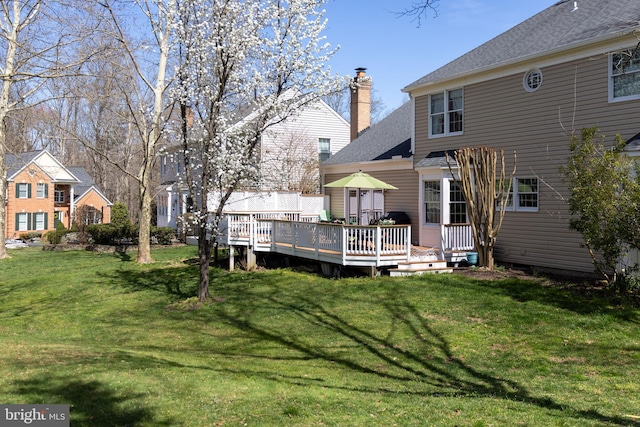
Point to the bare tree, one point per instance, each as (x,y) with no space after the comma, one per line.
(96,117)
(147,103)
(340,101)
(486,192)
(419,10)
(290,162)
(37,46)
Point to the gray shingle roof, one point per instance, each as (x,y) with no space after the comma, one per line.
(86,182)
(15,162)
(389,137)
(437,158)
(555,28)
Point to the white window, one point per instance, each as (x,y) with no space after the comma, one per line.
(446,113)
(532,80)
(527,194)
(40,220)
(524,193)
(624,69)
(42,191)
(432,202)
(23,221)
(59,196)
(23,190)
(163,165)
(457,204)
(324,148)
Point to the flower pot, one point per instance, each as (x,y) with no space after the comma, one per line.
(472,258)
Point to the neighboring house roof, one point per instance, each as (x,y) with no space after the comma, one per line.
(56,171)
(44,160)
(389,137)
(555,29)
(16,162)
(86,184)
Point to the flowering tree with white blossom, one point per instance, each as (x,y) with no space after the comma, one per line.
(245,66)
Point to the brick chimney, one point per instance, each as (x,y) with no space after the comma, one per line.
(360,102)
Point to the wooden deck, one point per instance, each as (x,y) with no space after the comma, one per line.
(347,245)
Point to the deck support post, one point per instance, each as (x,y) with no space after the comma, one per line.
(251,258)
(232,262)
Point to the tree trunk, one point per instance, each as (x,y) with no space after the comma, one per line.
(7,80)
(480,179)
(3,189)
(204,258)
(144,234)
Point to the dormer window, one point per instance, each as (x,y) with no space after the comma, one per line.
(446,113)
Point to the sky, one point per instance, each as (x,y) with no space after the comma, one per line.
(396,51)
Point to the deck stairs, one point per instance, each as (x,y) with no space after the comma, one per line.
(422,261)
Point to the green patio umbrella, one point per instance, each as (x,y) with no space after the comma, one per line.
(361,180)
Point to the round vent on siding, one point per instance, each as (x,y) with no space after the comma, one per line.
(532,80)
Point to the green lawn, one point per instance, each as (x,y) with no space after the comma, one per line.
(117,342)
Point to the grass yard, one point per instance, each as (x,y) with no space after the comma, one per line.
(118,342)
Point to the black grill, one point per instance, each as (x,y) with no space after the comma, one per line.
(400,218)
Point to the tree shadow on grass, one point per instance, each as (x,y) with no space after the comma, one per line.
(373,358)
(428,367)
(179,281)
(576,299)
(92,403)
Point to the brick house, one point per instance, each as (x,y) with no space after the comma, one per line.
(42,192)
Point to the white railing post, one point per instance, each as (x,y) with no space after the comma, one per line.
(345,244)
(378,241)
(408,242)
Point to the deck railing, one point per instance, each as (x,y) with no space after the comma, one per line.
(344,244)
(457,237)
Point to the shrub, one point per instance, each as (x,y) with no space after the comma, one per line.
(30,235)
(120,215)
(55,237)
(163,235)
(110,234)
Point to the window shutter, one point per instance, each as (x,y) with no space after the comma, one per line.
(29,217)
(17,222)
(28,190)
(17,194)
(46,218)
(46,192)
